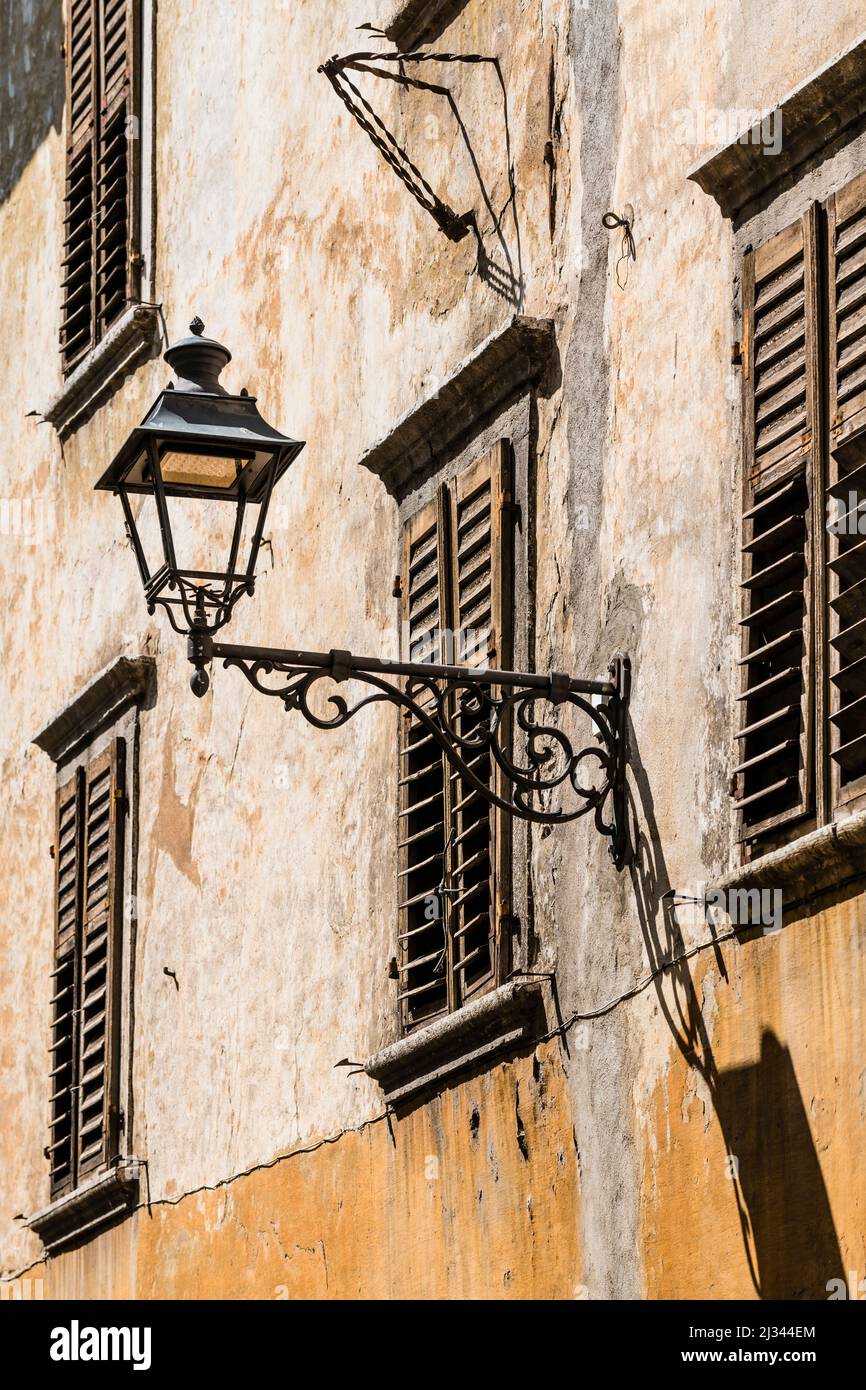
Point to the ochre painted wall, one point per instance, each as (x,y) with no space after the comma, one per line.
(475,1195)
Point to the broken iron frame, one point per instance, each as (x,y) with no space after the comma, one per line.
(336,69)
(438,697)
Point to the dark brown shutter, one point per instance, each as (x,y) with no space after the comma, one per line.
(846,499)
(64,979)
(100,269)
(479,848)
(85,1014)
(775,782)
(118,139)
(424,946)
(454,849)
(76,333)
(101,914)
(846,216)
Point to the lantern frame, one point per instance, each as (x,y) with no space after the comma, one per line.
(198,419)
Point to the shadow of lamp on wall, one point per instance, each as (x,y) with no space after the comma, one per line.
(786,1223)
(195,480)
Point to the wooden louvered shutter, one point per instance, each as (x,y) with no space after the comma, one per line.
(775,780)
(102,821)
(116,270)
(454,848)
(424,948)
(76,333)
(846,216)
(65,982)
(100,269)
(479,848)
(846,501)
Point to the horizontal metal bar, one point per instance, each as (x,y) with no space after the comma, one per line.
(530,680)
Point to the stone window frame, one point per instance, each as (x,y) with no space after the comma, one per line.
(490,397)
(106,709)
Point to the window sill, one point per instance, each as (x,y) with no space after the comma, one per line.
(91,1206)
(128,342)
(498,1022)
(817,862)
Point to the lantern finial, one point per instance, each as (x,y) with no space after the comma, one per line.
(198,361)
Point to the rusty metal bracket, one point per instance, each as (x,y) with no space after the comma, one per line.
(336,69)
(499,710)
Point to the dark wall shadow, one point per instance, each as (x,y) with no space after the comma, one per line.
(32,86)
(787,1226)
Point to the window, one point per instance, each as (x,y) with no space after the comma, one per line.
(101,261)
(454,869)
(93,742)
(88,852)
(802,734)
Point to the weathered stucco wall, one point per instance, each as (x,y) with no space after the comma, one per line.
(266,864)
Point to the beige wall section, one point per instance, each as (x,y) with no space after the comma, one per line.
(475,1195)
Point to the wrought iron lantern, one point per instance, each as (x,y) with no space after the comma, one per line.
(198,449)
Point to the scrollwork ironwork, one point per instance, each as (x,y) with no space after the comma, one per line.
(535,757)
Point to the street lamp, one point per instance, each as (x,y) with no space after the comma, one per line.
(200,448)
(197,450)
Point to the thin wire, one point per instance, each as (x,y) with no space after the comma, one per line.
(637,988)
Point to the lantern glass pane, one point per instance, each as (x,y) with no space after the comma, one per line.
(143,508)
(202,530)
(199,470)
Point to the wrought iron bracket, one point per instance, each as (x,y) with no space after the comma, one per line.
(536,762)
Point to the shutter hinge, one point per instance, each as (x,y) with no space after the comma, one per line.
(737,354)
(52,850)
(512,510)
(393,972)
(397,587)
